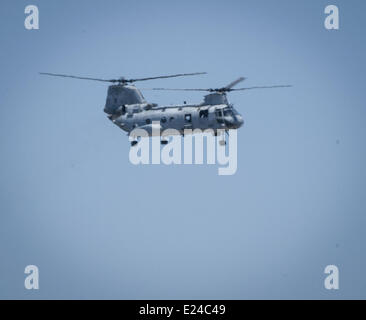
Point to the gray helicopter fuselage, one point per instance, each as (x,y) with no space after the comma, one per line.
(127,108)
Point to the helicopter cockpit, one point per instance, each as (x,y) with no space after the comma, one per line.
(228,116)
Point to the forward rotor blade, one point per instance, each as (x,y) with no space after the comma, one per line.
(234,83)
(75,77)
(168,76)
(219,90)
(264,87)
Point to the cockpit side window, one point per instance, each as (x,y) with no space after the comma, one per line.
(219,116)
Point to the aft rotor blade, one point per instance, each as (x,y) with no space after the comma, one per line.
(264,87)
(121,80)
(168,76)
(75,77)
(234,83)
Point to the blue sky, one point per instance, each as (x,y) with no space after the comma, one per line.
(99,227)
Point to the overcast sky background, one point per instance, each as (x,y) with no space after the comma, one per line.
(99,227)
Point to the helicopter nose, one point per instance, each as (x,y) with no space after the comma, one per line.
(239,120)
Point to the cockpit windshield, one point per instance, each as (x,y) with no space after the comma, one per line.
(228,112)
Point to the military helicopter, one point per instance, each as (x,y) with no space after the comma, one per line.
(127,108)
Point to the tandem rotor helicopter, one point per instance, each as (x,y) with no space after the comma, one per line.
(126,107)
